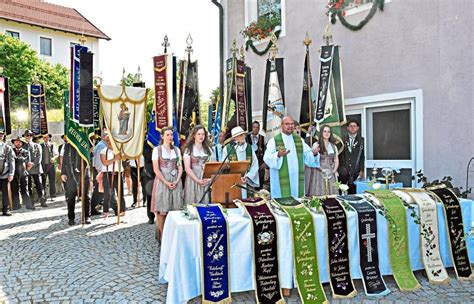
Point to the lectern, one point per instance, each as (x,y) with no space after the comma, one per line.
(222,191)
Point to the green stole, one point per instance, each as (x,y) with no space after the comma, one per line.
(233,154)
(398,239)
(284,173)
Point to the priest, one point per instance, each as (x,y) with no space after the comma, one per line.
(286,156)
(243,151)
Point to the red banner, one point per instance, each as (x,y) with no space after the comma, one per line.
(161,92)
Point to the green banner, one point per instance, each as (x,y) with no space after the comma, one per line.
(398,239)
(76,135)
(304,250)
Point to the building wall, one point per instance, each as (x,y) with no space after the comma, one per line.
(60,42)
(425,45)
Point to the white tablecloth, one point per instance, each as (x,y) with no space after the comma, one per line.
(180,262)
(362,186)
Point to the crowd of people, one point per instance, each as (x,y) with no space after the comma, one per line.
(169,176)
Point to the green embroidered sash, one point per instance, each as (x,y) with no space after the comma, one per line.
(233,154)
(284,173)
(398,239)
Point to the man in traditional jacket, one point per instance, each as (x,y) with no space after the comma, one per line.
(286,156)
(7,171)
(50,154)
(258,145)
(148,179)
(217,154)
(19,182)
(243,151)
(35,166)
(97,195)
(71,177)
(351,160)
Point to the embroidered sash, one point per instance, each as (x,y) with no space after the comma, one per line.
(265,253)
(304,250)
(398,238)
(283,173)
(215,254)
(429,236)
(455,228)
(338,249)
(372,280)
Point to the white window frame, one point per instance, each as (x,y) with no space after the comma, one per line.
(39,46)
(250,15)
(13,31)
(362,106)
(361,8)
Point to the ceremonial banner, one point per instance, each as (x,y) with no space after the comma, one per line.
(97,114)
(216,128)
(429,236)
(190,107)
(76,135)
(455,228)
(164,72)
(214,254)
(374,284)
(338,249)
(37,106)
(5,119)
(265,253)
(308,98)
(75,88)
(273,98)
(304,250)
(397,237)
(183,70)
(86,91)
(235,108)
(248,96)
(153,137)
(124,111)
(330,105)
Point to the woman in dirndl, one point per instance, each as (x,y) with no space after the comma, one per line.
(167,189)
(196,153)
(329,161)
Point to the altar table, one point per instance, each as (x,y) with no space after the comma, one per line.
(180,262)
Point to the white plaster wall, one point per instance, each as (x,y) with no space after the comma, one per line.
(417,44)
(60,42)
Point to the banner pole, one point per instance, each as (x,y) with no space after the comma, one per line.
(137,162)
(10,196)
(119,189)
(83,196)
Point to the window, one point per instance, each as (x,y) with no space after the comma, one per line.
(356,3)
(357,6)
(392,127)
(13,34)
(46,46)
(266,12)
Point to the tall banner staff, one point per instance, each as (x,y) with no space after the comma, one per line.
(138,84)
(308,98)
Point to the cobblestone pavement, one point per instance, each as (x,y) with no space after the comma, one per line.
(43,260)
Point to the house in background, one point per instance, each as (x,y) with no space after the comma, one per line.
(408,76)
(50,29)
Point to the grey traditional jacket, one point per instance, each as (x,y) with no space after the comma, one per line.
(35,157)
(7,161)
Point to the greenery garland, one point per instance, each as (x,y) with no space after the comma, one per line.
(377,4)
(249,44)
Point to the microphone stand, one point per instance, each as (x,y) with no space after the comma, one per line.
(219,172)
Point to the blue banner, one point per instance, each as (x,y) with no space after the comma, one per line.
(215,255)
(153,136)
(35,108)
(216,128)
(76,79)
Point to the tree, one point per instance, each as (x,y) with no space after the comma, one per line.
(20,63)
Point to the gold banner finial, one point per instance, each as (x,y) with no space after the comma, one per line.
(234,48)
(242,53)
(189,48)
(274,47)
(165,43)
(327,37)
(307,41)
(82,40)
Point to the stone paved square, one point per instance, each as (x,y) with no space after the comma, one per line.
(44,260)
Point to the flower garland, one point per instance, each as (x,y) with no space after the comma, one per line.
(261,29)
(337,8)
